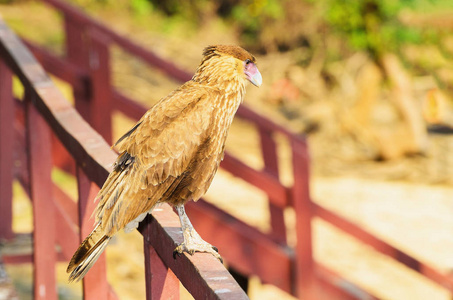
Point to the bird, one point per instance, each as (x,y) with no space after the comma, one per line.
(171,154)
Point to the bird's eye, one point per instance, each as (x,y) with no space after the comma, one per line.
(247,61)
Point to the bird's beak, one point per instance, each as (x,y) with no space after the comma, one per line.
(253,75)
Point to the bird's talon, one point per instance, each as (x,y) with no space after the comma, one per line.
(176,252)
(215,249)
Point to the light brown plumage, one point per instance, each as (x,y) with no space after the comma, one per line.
(173,152)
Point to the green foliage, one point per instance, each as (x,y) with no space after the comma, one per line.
(193,9)
(367,25)
(141,7)
(248,16)
(251,15)
(372,25)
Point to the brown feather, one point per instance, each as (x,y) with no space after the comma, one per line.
(86,254)
(172,153)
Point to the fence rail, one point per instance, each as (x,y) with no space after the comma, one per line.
(86,67)
(47,112)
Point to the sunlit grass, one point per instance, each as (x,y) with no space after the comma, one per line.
(125,254)
(44,26)
(22,210)
(66,182)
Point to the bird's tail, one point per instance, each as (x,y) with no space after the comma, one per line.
(87,254)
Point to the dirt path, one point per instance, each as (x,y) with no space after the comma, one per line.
(415,218)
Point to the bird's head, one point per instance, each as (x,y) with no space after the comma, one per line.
(223,63)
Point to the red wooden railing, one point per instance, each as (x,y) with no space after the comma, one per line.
(86,68)
(32,121)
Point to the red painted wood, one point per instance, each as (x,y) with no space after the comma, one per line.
(248,250)
(17,259)
(100,111)
(383,247)
(112,295)
(265,181)
(262,180)
(20,169)
(148,56)
(161,281)
(85,145)
(265,123)
(77,54)
(95,281)
(129,107)
(61,158)
(305,281)
(67,217)
(44,256)
(89,50)
(68,206)
(332,286)
(90,159)
(25,258)
(7,112)
(61,68)
(269,152)
(66,235)
(201,274)
(204,276)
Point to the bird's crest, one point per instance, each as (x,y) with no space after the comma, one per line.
(232,50)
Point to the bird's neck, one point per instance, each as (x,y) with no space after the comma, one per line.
(226,76)
(225,108)
(221,74)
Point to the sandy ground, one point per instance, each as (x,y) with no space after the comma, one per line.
(416,217)
(413,217)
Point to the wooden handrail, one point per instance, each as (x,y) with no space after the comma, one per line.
(154,60)
(149,57)
(205,277)
(259,178)
(299,272)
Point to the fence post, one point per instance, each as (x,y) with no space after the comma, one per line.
(101,92)
(77,53)
(89,49)
(269,152)
(6,152)
(161,282)
(304,272)
(40,167)
(95,285)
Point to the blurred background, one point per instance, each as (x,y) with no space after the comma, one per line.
(370,82)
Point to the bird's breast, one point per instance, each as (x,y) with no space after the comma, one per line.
(223,114)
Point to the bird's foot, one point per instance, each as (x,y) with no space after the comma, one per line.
(194,243)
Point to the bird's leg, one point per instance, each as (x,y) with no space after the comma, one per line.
(192,240)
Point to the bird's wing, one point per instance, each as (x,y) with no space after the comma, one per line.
(153,154)
(170,133)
